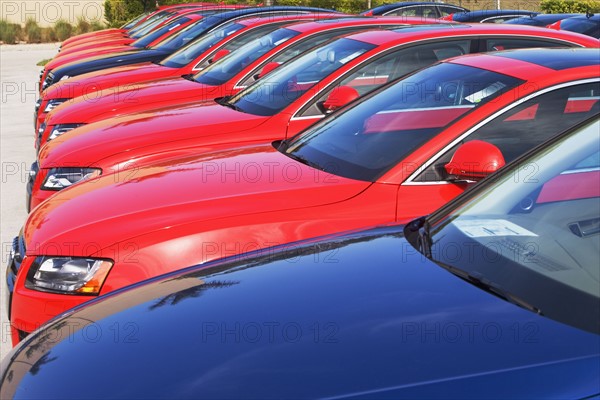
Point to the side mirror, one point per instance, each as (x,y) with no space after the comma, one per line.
(474,161)
(339,97)
(218,55)
(266,69)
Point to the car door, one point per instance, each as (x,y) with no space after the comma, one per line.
(517,129)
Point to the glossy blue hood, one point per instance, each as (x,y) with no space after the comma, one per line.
(360,315)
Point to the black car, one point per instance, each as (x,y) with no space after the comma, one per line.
(496,295)
(168,46)
(415,9)
(493,16)
(540,19)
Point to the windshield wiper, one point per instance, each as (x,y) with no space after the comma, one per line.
(304,161)
(224,102)
(483,283)
(189,77)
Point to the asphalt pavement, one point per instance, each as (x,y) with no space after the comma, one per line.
(18,78)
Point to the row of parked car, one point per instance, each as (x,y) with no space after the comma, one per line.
(241,202)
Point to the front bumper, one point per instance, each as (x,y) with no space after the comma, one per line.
(33,171)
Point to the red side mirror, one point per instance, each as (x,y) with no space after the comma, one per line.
(474,161)
(219,54)
(268,68)
(339,97)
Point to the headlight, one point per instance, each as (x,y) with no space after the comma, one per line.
(60,178)
(60,129)
(69,275)
(64,77)
(52,104)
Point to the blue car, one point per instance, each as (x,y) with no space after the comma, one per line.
(489,16)
(542,20)
(588,24)
(496,295)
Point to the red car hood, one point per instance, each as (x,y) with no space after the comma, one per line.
(69,58)
(131,98)
(194,191)
(87,84)
(130,134)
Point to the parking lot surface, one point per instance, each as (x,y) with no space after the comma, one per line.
(18,77)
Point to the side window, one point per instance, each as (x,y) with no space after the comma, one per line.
(507,43)
(404,12)
(446,10)
(382,70)
(528,125)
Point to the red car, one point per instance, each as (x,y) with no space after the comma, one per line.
(159,33)
(134,140)
(400,152)
(137,27)
(157,36)
(222,79)
(189,59)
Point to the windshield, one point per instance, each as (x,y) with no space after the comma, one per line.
(134,21)
(226,68)
(191,51)
(186,35)
(588,27)
(534,232)
(285,85)
(150,24)
(152,36)
(368,139)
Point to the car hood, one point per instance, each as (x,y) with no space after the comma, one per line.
(131,134)
(85,54)
(90,82)
(108,61)
(130,98)
(236,182)
(361,316)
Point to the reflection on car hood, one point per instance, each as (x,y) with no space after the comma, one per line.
(219,186)
(130,134)
(358,316)
(129,98)
(86,84)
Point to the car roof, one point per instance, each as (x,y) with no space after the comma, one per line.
(352,20)
(258,20)
(381,36)
(473,15)
(387,7)
(540,60)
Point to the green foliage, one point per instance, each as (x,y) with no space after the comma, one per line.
(33,31)
(7,32)
(49,35)
(63,30)
(118,12)
(570,6)
(83,26)
(97,26)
